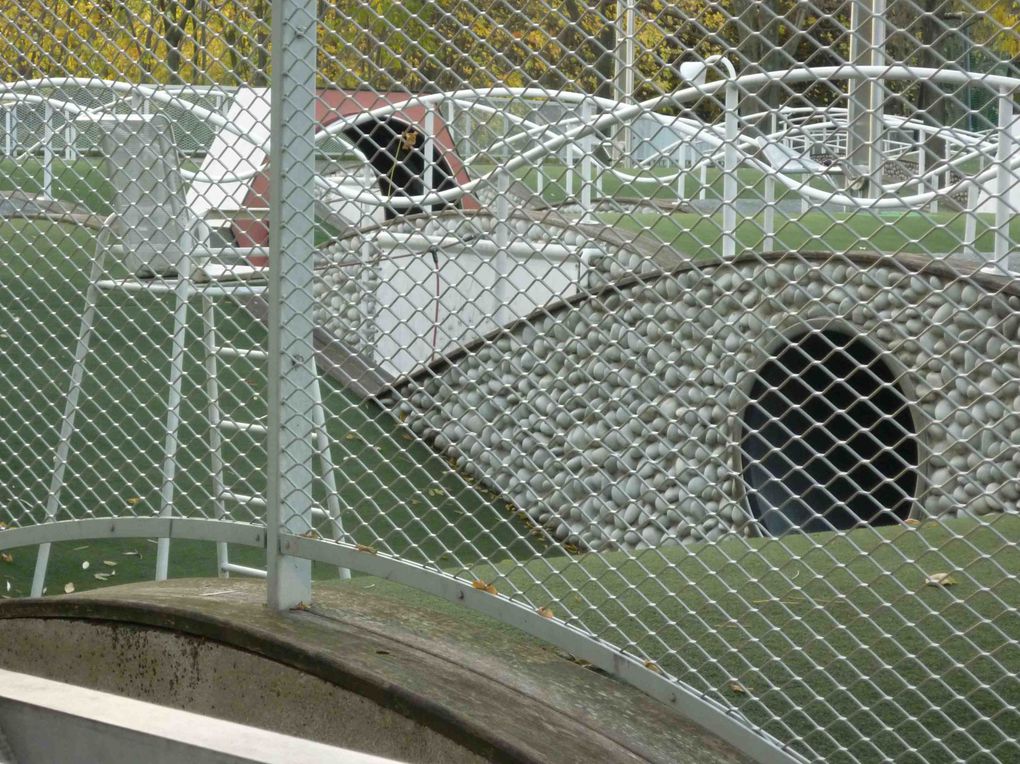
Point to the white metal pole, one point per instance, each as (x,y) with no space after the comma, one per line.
(970,224)
(69,137)
(326,470)
(1005,178)
(291,302)
(182,295)
(730,157)
(429,148)
(587,148)
(570,173)
(501,262)
(9,131)
(81,352)
(922,161)
(730,179)
(623,69)
(47,168)
(212,387)
(770,212)
(865,96)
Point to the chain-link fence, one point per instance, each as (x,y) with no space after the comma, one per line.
(685,336)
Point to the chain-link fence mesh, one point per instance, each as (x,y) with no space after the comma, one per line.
(686,335)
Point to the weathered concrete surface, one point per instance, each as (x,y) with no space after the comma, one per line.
(356,670)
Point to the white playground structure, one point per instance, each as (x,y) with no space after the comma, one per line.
(399,293)
(443,281)
(496,143)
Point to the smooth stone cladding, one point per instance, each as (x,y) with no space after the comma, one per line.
(613,419)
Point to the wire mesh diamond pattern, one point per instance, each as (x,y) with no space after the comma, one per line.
(686,335)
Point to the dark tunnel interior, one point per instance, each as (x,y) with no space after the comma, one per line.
(400,163)
(828,441)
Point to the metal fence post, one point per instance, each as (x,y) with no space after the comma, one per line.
(291,363)
(1005,177)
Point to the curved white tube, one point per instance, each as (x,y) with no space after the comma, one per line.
(613,113)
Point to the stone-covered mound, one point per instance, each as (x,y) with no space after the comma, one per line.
(664,408)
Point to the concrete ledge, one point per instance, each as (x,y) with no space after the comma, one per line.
(357,670)
(49,721)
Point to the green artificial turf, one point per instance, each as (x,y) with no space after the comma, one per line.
(833,639)
(923,233)
(699,235)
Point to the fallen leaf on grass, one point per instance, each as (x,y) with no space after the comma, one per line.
(132,553)
(79,548)
(482,586)
(85,565)
(134,500)
(101,576)
(912,522)
(109,563)
(7,557)
(68,588)
(940,579)
(736,688)
(545,612)
(366,549)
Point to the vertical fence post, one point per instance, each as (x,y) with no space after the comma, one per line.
(291,362)
(730,190)
(1005,178)
(970,224)
(47,168)
(770,213)
(9,130)
(429,149)
(587,149)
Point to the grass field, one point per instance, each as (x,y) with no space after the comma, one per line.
(699,235)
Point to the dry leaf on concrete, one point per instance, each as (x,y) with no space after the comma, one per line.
(482,586)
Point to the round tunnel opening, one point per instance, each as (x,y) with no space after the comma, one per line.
(828,439)
(397,153)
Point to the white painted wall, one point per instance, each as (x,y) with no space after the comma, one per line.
(469,282)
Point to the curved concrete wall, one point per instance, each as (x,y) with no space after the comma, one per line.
(207,677)
(615,419)
(385,673)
